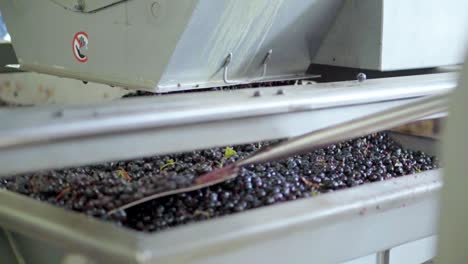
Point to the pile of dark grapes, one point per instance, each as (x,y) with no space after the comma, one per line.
(95,190)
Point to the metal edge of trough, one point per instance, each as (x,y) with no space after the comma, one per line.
(34,139)
(300,223)
(198,242)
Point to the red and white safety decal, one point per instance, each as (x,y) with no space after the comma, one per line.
(80,45)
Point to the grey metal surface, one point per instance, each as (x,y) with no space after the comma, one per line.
(291,29)
(397,35)
(169,45)
(41,138)
(29,88)
(453,216)
(416,252)
(176,45)
(129,44)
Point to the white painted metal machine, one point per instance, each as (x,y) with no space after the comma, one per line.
(176,45)
(169,45)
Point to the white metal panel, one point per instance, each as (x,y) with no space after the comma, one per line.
(128,45)
(415,252)
(423,33)
(453,237)
(292,29)
(133,43)
(396,35)
(354,39)
(42,89)
(371,259)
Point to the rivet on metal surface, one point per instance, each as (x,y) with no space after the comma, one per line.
(228,61)
(58,114)
(361,77)
(280,92)
(155,9)
(257,94)
(80,5)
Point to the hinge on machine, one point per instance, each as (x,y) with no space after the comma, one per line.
(262,76)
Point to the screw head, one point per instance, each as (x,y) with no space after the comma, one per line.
(257,94)
(80,5)
(155,7)
(361,77)
(280,92)
(58,114)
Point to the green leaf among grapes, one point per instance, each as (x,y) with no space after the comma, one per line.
(169,163)
(229,152)
(124,174)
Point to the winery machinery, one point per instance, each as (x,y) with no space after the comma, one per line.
(296,66)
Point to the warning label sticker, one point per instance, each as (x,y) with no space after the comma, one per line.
(80,45)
